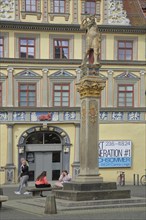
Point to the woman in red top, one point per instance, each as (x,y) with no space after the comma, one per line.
(42,181)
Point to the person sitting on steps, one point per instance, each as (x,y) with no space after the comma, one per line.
(64,178)
(42,182)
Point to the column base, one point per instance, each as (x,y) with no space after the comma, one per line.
(89,178)
(76,169)
(9,173)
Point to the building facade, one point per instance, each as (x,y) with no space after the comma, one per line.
(41,49)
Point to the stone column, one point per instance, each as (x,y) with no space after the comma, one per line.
(142,88)
(45,87)
(9,169)
(78,73)
(110,88)
(89,87)
(10,86)
(76,163)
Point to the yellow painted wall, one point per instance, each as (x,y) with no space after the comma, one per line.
(137,134)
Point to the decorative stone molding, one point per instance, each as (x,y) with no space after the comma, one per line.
(5,25)
(75,11)
(17,12)
(65,15)
(37,12)
(97,15)
(114,13)
(90,86)
(7,10)
(45,10)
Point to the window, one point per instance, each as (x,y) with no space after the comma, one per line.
(31,5)
(26,48)
(125,50)
(27,95)
(125,96)
(90,7)
(0,94)
(59,6)
(61,49)
(61,95)
(1,47)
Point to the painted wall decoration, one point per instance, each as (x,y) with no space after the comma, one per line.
(117,115)
(133,116)
(114,153)
(7,9)
(19,116)
(3,116)
(69,115)
(103,115)
(44,116)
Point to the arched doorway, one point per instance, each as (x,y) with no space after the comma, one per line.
(44,149)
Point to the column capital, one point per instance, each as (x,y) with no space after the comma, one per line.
(142,72)
(10,125)
(110,72)
(45,70)
(10,69)
(90,87)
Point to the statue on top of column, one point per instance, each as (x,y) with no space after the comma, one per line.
(93,39)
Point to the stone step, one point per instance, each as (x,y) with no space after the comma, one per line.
(100,204)
(91,195)
(79,186)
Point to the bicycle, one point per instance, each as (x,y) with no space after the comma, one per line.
(121,178)
(143,179)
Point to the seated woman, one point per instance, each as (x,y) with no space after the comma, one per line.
(64,178)
(42,182)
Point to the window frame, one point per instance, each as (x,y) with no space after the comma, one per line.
(126,38)
(90,1)
(60,47)
(27,46)
(2,45)
(19,90)
(125,92)
(26,4)
(125,49)
(59,6)
(61,91)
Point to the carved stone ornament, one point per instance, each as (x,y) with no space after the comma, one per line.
(90,87)
(7,9)
(93,113)
(83,110)
(116,14)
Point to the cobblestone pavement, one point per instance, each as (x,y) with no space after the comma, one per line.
(22,207)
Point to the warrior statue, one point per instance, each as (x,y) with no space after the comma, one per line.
(93,40)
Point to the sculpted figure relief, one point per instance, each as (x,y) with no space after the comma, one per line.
(93,39)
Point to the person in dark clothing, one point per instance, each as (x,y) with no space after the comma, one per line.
(24,176)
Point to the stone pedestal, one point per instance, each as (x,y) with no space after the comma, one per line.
(91,191)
